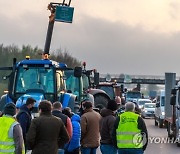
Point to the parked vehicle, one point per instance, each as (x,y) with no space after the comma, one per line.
(148,110)
(77,84)
(173,122)
(142,101)
(159,110)
(172,107)
(83,87)
(133,96)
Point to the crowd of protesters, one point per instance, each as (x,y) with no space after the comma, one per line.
(60,131)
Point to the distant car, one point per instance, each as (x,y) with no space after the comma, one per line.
(160,109)
(148,110)
(133,96)
(141,102)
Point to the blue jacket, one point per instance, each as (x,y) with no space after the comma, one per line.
(76,136)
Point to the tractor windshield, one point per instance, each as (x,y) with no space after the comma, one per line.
(35,78)
(72,82)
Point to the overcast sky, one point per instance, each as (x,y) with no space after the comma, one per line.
(113,36)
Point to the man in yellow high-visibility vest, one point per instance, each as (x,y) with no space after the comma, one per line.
(130,132)
(11,139)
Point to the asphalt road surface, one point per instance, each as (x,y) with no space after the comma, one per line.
(157,141)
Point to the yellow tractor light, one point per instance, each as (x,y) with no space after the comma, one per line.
(27,57)
(6,91)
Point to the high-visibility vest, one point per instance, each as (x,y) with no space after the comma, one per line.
(7,145)
(127,134)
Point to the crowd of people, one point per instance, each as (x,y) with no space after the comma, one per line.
(60,131)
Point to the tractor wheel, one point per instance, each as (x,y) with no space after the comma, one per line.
(100,101)
(160,123)
(155,122)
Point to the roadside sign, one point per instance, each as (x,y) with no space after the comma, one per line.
(64,14)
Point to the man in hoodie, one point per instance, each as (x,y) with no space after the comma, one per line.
(24,116)
(106,128)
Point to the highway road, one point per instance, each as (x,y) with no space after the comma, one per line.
(156,136)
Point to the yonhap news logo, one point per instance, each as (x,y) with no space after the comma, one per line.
(140,139)
(163,140)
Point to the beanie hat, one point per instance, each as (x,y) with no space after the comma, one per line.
(10,109)
(112,105)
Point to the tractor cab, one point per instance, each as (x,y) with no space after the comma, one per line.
(40,79)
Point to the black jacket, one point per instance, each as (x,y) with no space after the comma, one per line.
(141,126)
(60,115)
(106,126)
(24,118)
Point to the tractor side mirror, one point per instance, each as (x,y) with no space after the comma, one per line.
(96,78)
(78,72)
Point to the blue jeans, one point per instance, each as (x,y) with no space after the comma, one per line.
(108,149)
(130,151)
(88,150)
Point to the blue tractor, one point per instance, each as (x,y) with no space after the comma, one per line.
(40,79)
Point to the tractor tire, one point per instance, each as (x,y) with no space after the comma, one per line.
(155,122)
(100,101)
(160,123)
(171,136)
